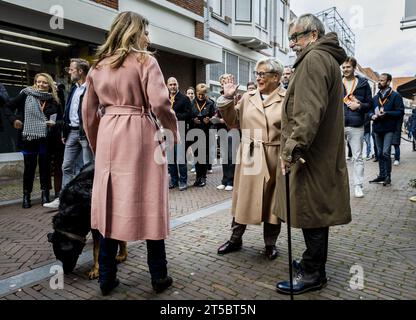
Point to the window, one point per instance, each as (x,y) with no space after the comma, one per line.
(260,13)
(244,72)
(217,7)
(282,14)
(217,69)
(243,10)
(232,64)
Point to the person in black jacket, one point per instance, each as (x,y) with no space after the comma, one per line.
(203,109)
(388,109)
(4,98)
(182,107)
(34,112)
(357,102)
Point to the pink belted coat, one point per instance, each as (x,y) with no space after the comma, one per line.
(130,190)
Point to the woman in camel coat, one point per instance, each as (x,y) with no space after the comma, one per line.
(258,115)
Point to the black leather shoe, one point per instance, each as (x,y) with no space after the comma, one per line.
(202,183)
(107,287)
(229,247)
(387,181)
(45,197)
(379,179)
(197,182)
(271,252)
(26,200)
(160,285)
(302,282)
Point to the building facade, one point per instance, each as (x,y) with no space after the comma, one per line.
(247,30)
(42,36)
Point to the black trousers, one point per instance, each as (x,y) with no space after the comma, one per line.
(316,253)
(270,232)
(156,259)
(30,164)
(201,166)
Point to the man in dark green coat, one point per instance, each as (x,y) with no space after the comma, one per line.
(313,129)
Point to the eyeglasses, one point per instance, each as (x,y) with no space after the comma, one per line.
(295,36)
(262,74)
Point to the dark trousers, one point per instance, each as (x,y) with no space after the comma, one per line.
(316,253)
(156,259)
(201,165)
(383,141)
(375,146)
(34,153)
(228,158)
(270,232)
(56,160)
(178,162)
(396,152)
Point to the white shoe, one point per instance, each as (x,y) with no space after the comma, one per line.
(229,188)
(396,162)
(358,192)
(221,187)
(193,170)
(52,205)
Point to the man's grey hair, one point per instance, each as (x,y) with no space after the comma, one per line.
(308,22)
(273,65)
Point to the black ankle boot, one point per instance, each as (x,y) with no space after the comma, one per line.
(26,200)
(45,197)
(159,285)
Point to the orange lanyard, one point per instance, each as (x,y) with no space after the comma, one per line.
(382,103)
(172,101)
(200,108)
(42,106)
(354,84)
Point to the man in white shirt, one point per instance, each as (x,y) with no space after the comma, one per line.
(74,138)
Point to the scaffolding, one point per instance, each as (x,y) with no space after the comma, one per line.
(335,23)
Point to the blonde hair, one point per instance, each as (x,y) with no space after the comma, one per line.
(124,35)
(51,83)
(201,88)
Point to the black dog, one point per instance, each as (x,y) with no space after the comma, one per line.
(73,221)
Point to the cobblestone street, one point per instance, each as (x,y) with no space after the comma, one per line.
(380,240)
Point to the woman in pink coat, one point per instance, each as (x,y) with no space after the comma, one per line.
(126,99)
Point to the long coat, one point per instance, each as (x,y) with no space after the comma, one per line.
(255,191)
(130,191)
(313,128)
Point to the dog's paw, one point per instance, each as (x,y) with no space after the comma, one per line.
(93,274)
(121,257)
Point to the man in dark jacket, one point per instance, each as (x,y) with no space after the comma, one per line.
(182,107)
(312,129)
(74,137)
(4,98)
(387,110)
(357,101)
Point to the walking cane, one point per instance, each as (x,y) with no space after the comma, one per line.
(289,233)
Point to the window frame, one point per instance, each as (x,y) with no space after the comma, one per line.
(251,12)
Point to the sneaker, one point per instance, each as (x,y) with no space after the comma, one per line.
(221,187)
(183,186)
(229,188)
(413,199)
(52,205)
(210,171)
(396,162)
(358,192)
(193,170)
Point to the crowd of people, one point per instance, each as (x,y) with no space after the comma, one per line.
(290,120)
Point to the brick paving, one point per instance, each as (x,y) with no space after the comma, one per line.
(380,239)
